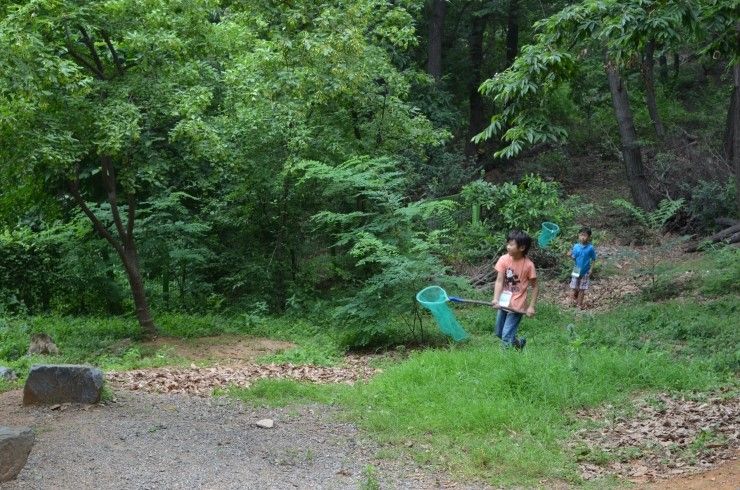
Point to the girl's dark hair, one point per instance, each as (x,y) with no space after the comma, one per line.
(521,239)
(585,230)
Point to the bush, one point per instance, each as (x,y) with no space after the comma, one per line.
(711,200)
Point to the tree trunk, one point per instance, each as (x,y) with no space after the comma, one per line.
(476,119)
(512,32)
(124,245)
(676,65)
(436,31)
(663,62)
(166,278)
(732,133)
(631,155)
(648,76)
(732,126)
(130,259)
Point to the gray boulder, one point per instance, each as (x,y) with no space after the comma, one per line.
(63,383)
(15,445)
(7,374)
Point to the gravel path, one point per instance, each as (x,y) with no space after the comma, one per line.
(148,441)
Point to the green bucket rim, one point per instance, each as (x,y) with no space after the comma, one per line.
(551,227)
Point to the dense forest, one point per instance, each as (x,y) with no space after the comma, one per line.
(274,244)
(332,158)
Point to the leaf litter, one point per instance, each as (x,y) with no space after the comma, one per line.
(669,436)
(201,381)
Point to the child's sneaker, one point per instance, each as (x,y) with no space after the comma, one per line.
(520,343)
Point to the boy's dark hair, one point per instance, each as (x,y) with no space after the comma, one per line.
(521,239)
(585,230)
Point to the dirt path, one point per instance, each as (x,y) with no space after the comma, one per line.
(173,441)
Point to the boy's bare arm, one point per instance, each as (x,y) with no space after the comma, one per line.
(498,287)
(533,298)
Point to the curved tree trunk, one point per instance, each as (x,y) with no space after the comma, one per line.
(631,154)
(648,76)
(124,244)
(436,31)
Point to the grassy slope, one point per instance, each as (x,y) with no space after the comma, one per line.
(504,416)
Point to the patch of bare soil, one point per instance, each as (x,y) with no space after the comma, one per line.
(201,381)
(724,477)
(223,348)
(667,438)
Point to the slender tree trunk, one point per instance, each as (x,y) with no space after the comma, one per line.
(166,278)
(732,126)
(631,154)
(512,32)
(436,31)
(124,244)
(476,119)
(648,76)
(663,62)
(676,65)
(136,282)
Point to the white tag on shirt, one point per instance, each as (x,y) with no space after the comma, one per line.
(505,299)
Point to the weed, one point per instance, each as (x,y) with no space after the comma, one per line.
(371,482)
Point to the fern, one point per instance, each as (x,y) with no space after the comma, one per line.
(654,220)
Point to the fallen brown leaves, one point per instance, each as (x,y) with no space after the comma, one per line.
(668,437)
(201,381)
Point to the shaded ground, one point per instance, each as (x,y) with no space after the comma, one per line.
(152,441)
(224,348)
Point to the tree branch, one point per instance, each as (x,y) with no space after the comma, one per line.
(116,59)
(91,47)
(82,61)
(74,188)
(109,179)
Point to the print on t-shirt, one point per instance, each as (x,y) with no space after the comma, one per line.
(511,281)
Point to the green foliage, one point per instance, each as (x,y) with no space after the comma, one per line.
(523,206)
(652,222)
(578,31)
(61,269)
(395,247)
(712,200)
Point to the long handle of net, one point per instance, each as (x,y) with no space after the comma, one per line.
(455,299)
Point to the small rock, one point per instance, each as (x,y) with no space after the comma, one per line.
(7,374)
(56,407)
(265,423)
(15,445)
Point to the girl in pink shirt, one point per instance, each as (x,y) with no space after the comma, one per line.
(515,273)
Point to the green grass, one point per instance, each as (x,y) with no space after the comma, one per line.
(281,393)
(114,343)
(503,415)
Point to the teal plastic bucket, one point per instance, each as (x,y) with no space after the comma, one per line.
(548,233)
(434,299)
